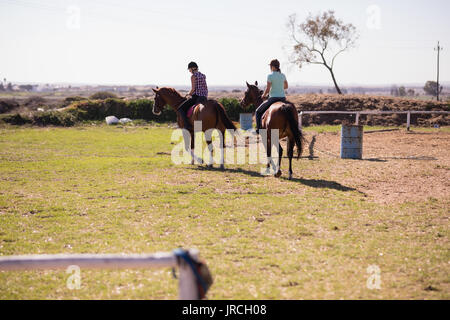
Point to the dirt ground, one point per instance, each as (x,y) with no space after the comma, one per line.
(397,166)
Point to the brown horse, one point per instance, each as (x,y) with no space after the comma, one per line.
(212,115)
(282,116)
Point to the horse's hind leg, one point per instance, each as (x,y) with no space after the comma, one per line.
(192,149)
(280,155)
(290,152)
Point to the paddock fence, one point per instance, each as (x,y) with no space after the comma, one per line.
(188,283)
(369,112)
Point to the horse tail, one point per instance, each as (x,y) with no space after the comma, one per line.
(223,116)
(289,110)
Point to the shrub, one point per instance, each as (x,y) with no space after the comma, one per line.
(7,105)
(56,118)
(69,100)
(35,102)
(83,110)
(142,109)
(134,109)
(16,119)
(102,95)
(233,108)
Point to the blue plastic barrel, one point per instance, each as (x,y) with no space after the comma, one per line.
(351,142)
(246,121)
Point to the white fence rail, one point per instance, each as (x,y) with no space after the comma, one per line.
(371,112)
(188,289)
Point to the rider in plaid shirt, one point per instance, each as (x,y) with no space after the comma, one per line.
(198,93)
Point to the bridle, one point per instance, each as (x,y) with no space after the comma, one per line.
(258,98)
(183,99)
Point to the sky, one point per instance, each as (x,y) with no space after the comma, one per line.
(151,42)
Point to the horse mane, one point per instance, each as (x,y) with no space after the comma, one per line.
(172,92)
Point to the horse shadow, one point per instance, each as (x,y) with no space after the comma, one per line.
(231,170)
(322,184)
(314,183)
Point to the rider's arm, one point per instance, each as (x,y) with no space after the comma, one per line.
(266,92)
(193,86)
(286,85)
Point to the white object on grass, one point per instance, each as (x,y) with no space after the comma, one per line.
(111,120)
(125,120)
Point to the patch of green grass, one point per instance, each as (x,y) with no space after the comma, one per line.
(103,189)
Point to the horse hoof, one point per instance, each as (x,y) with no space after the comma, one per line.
(278,174)
(290,176)
(222,167)
(209,166)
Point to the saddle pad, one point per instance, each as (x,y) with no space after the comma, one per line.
(191,110)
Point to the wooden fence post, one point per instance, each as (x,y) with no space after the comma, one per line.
(408,120)
(187,284)
(300,121)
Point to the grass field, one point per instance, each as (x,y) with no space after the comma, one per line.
(99,189)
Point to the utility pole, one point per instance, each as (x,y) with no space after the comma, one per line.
(438,49)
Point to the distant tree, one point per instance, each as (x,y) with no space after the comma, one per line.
(2,87)
(101,95)
(9,87)
(26,87)
(402,91)
(319,40)
(431,88)
(411,92)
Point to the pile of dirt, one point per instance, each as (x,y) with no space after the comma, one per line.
(325,102)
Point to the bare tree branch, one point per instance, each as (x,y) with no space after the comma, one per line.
(317,37)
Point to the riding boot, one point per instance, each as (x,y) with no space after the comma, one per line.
(258,125)
(186,122)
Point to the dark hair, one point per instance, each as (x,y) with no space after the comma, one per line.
(192,64)
(276,64)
